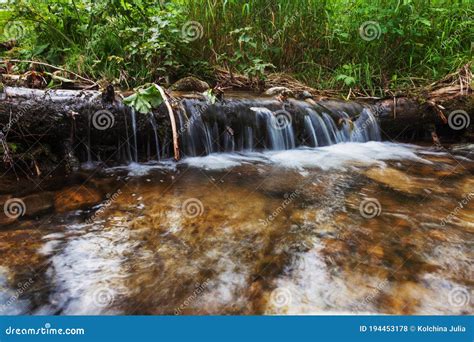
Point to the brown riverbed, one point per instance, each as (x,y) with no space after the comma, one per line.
(351,228)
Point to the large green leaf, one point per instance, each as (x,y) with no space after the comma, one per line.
(145,99)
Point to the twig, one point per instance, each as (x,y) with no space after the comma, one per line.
(173,122)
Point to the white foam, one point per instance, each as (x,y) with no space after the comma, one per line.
(336,156)
(223,161)
(138,169)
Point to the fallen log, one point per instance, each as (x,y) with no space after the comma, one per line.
(70,122)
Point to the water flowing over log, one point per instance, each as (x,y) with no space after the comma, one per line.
(87,126)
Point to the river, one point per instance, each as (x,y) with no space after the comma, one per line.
(351,228)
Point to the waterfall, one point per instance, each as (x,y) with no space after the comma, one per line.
(253,124)
(154,127)
(262,124)
(88,142)
(134,135)
(319,127)
(310,129)
(128,151)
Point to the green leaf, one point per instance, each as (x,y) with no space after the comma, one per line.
(144,100)
(425,22)
(349,80)
(211,98)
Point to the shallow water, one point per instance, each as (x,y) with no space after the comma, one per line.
(348,228)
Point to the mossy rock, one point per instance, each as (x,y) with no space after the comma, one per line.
(190,83)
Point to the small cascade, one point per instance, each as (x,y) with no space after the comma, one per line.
(248,142)
(155,133)
(134,134)
(261,124)
(275,134)
(311,131)
(88,142)
(128,151)
(319,127)
(246,124)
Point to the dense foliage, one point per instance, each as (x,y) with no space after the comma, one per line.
(369,45)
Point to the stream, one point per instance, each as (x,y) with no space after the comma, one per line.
(350,228)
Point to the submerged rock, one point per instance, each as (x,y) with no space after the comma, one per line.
(76,197)
(400,181)
(190,83)
(38,203)
(4,218)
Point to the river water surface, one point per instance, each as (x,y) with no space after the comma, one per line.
(359,228)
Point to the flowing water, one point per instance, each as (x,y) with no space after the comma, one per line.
(290,217)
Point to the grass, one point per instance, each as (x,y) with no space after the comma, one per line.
(408,43)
